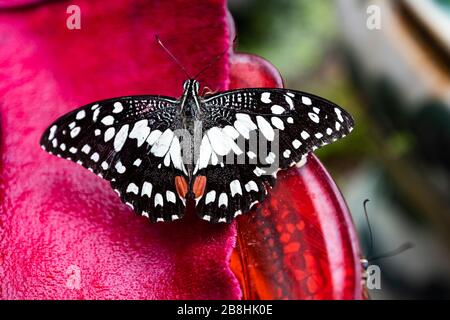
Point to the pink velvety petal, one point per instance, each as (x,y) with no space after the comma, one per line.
(13,4)
(301,242)
(64,232)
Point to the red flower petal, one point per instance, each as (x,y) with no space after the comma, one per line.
(301,242)
(64,233)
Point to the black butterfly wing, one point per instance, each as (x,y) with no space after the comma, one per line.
(272,129)
(130,142)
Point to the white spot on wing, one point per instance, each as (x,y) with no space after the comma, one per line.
(242,129)
(109,134)
(276,109)
(86,149)
(132,188)
(146,189)
(289,102)
(265,97)
(170,196)
(95,157)
(258,171)
(159,201)
(80,115)
(95,115)
(210,197)
(270,158)
(339,114)
(108,120)
(175,153)
(296,144)
(51,135)
(251,154)
(277,123)
(75,131)
(118,107)
(205,153)
(314,117)
(231,132)
(251,185)
(162,145)
(287,153)
(140,132)
(306,100)
(235,187)
(265,128)
(167,159)
(120,167)
(154,135)
(223,199)
(121,137)
(247,120)
(220,142)
(137,162)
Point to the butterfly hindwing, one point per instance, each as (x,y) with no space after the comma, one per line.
(269,130)
(129,141)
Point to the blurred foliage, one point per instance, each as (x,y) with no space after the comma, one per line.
(290,34)
(444,4)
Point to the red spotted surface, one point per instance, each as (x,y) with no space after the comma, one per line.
(300,243)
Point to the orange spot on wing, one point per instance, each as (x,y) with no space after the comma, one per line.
(181,186)
(199,186)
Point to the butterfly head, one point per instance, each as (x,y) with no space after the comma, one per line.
(191,86)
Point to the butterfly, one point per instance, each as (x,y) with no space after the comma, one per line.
(221,152)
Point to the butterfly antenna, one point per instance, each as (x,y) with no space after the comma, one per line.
(369,226)
(404,247)
(214,60)
(172,56)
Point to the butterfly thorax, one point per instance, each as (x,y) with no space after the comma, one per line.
(190,121)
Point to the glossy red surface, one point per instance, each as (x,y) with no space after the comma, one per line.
(301,242)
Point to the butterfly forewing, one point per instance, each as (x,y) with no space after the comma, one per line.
(278,127)
(129,141)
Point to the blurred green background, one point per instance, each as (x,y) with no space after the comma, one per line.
(394,78)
